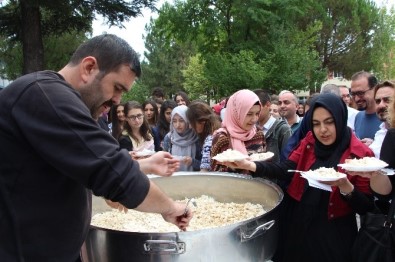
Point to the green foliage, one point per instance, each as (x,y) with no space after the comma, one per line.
(51,18)
(384,45)
(228,73)
(166,58)
(58,50)
(271,44)
(139,93)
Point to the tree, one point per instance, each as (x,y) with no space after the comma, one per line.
(167,56)
(271,44)
(383,53)
(196,83)
(29,21)
(58,50)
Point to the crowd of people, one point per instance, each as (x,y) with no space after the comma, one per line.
(82,139)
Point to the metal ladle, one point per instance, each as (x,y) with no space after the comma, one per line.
(191,200)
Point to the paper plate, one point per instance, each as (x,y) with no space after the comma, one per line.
(144,152)
(230,155)
(365,168)
(319,176)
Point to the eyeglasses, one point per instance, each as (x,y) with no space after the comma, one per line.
(139,117)
(359,93)
(346,96)
(386,100)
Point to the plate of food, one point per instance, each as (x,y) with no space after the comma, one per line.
(230,155)
(144,152)
(261,156)
(366,164)
(323,174)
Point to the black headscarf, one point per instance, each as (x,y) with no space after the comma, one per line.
(329,155)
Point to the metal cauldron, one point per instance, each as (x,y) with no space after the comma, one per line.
(250,240)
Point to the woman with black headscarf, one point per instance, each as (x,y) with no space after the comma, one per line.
(318,225)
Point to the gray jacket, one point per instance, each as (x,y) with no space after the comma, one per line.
(277,137)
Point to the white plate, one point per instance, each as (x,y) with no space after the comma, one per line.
(261,156)
(220,158)
(388,171)
(144,152)
(367,168)
(318,177)
(230,155)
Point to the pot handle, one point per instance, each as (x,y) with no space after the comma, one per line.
(169,247)
(264,227)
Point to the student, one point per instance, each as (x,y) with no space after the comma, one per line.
(181,98)
(182,140)
(117,120)
(137,134)
(151,112)
(319,225)
(204,121)
(163,126)
(239,130)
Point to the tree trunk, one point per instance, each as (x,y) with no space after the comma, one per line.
(33,49)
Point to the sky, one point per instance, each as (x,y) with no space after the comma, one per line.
(133,31)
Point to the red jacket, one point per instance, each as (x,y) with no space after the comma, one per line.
(304,156)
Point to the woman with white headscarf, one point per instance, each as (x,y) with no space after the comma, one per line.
(182,141)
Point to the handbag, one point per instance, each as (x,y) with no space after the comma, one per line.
(375,240)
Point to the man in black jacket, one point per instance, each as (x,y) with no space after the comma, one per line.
(54,154)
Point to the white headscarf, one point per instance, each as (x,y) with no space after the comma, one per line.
(183,144)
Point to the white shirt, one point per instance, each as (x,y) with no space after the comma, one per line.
(268,124)
(378,140)
(352,112)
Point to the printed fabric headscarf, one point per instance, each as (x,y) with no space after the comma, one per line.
(329,155)
(236,111)
(183,144)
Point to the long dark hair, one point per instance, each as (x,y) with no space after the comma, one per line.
(116,126)
(200,111)
(145,130)
(184,96)
(163,125)
(156,113)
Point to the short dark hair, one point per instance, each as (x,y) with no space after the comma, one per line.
(110,51)
(372,80)
(158,92)
(264,96)
(386,83)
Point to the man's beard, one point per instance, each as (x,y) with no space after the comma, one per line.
(91,96)
(383,114)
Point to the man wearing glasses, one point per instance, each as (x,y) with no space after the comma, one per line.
(366,121)
(383,94)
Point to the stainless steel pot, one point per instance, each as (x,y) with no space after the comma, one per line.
(250,240)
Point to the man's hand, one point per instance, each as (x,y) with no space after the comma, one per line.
(116,205)
(177,215)
(161,163)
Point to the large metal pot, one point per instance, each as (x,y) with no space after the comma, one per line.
(250,240)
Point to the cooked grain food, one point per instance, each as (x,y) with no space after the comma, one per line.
(328,172)
(261,156)
(229,155)
(366,161)
(208,213)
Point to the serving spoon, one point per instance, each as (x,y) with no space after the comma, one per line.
(191,200)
